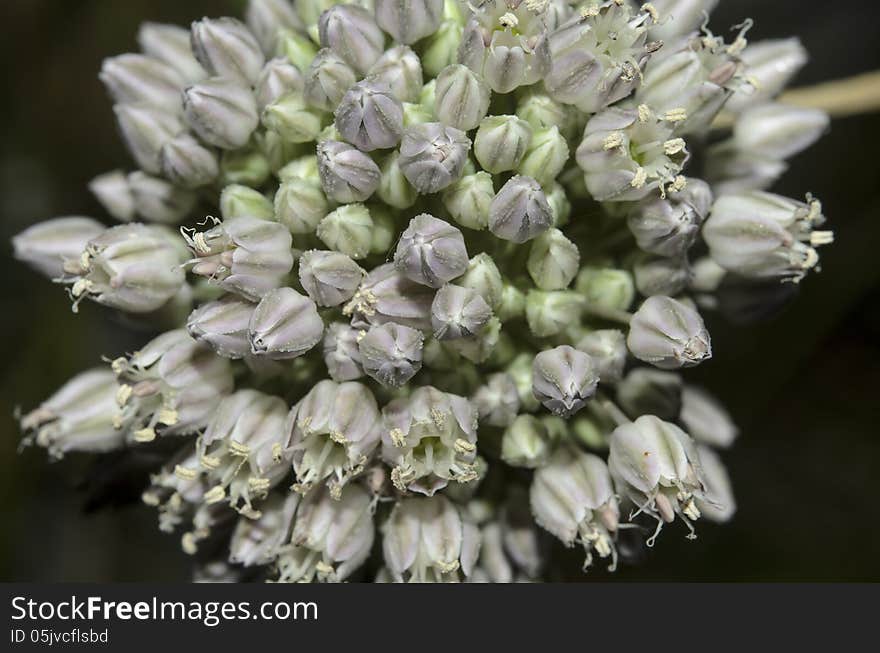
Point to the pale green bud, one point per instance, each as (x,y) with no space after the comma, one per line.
(512,304)
(461,97)
(188,163)
(391,353)
(292,118)
(440,49)
(520,370)
(545,156)
(468,200)
(304,168)
(428,95)
(347,174)
(238,201)
(394,189)
(384,230)
(519,212)
(300,205)
(416,114)
(483,277)
(45,246)
(310,10)
(348,229)
(297,47)
(248,166)
(351,32)
(226,47)
(553,260)
(551,313)
(607,348)
(399,68)
(221,112)
(501,142)
(606,287)
(497,401)
(560,207)
(543,112)
(526,443)
(156,200)
(277,78)
(284,325)
(330,278)
(113,193)
(266,17)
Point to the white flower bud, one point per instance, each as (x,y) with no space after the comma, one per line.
(778,131)
(429,540)
(298,47)
(399,69)
(542,112)
(188,163)
(469,199)
(606,287)
(221,112)
(266,17)
(112,192)
(238,201)
(248,166)
(545,157)
(645,390)
(520,212)
(501,142)
(284,325)
(705,419)
(334,429)
(658,468)
(341,354)
(145,130)
(369,116)
(408,21)
(458,313)
(553,260)
(719,504)
(668,227)
(764,236)
(245,255)
(461,97)
(348,229)
(483,277)
(139,79)
(680,17)
(156,200)
(132,267)
(440,49)
(78,417)
(497,400)
(277,78)
(573,498)
(607,349)
(332,536)
(171,45)
(433,156)
(351,32)
(550,313)
(661,276)
(226,47)
(431,251)
(391,353)
(526,443)
(394,189)
(347,174)
(327,80)
(563,379)
(46,246)
(668,334)
(769,66)
(292,119)
(260,541)
(330,278)
(223,326)
(386,295)
(300,205)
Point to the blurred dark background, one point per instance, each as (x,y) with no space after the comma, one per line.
(803,387)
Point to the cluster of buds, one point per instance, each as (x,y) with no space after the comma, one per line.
(435,277)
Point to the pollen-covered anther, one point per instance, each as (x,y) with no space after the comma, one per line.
(210,462)
(185,473)
(645,113)
(123,394)
(678,114)
(673,146)
(144,435)
(462,446)
(640,178)
(215,495)
(398,439)
(613,141)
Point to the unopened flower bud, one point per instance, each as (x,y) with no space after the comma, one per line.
(573,498)
(440,49)
(145,130)
(284,325)
(112,192)
(394,189)
(386,295)
(429,540)
(719,504)
(431,251)
(391,353)
(156,200)
(265,17)
(351,32)
(778,131)
(188,163)
(563,379)
(292,119)
(348,229)
(661,275)
(347,174)
(245,255)
(171,45)
(607,349)
(543,112)
(461,97)
(408,21)
(330,278)
(458,313)
(245,166)
(545,156)
(769,65)
(765,236)
(648,391)
(297,46)
(238,201)
(131,267)
(139,79)
(327,80)
(526,443)
(560,207)
(668,334)
(553,260)
(221,112)
(277,78)
(300,205)
(399,69)
(468,200)
(606,287)
(384,231)
(226,47)
(223,326)
(501,142)
(519,212)
(78,417)
(45,246)
(668,227)
(550,313)
(497,401)
(341,354)
(369,116)
(260,541)
(483,277)
(679,17)
(705,419)
(432,156)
